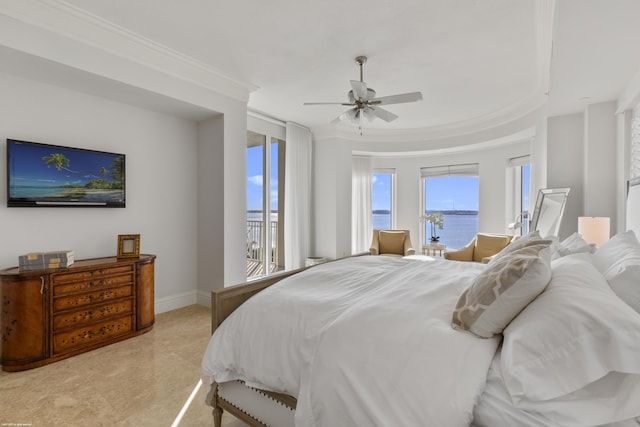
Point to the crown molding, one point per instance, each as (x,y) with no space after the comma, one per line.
(524,135)
(544,20)
(64,19)
(472,126)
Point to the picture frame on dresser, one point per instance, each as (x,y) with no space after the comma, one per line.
(128,245)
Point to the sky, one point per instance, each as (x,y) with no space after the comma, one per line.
(452,193)
(446,193)
(255,177)
(27,167)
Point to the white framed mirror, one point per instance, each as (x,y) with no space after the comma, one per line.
(547,214)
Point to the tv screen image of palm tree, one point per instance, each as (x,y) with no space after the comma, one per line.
(59,173)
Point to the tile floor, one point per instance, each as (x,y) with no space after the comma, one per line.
(143,381)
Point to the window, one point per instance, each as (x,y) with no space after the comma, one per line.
(453,191)
(521,184)
(265,189)
(382,199)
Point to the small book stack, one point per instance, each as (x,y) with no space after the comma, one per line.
(45,260)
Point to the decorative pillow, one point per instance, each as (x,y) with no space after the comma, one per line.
(614,250)
(502,290)
(572,354)
(488,245)
(391,242)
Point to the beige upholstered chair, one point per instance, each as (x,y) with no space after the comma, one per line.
(391,242)
(481,248)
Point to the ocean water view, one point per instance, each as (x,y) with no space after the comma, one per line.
(458,229)
(53,193)
(33,191)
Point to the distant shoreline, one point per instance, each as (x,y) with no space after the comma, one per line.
(444,212)
(386,212)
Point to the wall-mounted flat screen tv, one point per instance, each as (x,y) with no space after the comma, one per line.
(47,175)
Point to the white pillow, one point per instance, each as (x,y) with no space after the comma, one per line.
(614,250)
(530,239)
(572,354)
(575,244)
(502,290)
(624,277)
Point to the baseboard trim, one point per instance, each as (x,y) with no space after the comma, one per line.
(204,298)
(184,299)
(176,301)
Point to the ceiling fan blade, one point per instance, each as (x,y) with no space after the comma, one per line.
(397,99)
(359,89)
(328,103)
(369,113)
(385,115)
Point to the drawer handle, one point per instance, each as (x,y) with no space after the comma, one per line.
(42,285)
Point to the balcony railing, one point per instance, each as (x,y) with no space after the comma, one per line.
(256,248)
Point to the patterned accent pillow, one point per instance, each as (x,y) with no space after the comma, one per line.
(503,290)
(391,242)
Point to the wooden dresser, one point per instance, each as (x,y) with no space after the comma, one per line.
(49,315)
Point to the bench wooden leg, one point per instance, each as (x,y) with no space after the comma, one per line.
(217,416)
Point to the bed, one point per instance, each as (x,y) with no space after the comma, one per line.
(414,341)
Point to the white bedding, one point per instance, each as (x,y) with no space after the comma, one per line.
(361,341)
(495,409)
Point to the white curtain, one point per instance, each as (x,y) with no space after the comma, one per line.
(297,196)
(634,159)
(361,226)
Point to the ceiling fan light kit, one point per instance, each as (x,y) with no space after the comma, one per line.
(364,102)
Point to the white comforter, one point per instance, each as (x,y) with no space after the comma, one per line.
(361,341)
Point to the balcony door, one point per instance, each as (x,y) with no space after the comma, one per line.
(265,199)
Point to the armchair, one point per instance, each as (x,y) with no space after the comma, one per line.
(481,248)
(391,242)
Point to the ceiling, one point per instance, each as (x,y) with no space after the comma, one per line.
(471,59)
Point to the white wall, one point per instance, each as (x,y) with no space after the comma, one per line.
(331,200)
(161,183)
(565,167)
(600,160)
(492,187)
(210,251)
(585,153)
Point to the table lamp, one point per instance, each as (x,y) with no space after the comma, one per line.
(594,230)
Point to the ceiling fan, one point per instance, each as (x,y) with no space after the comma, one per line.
(364,102)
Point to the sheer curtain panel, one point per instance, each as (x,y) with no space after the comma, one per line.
(297,196)
(634,159)
(361,223)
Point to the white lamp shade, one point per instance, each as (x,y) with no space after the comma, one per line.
(594,229)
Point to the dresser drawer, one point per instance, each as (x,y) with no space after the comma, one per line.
(93,334)
(89,274)
(95,297)
(92,314)
(91,284)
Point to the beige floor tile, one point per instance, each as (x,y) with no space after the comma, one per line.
(143,381)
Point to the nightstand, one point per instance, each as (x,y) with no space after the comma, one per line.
(433,249)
